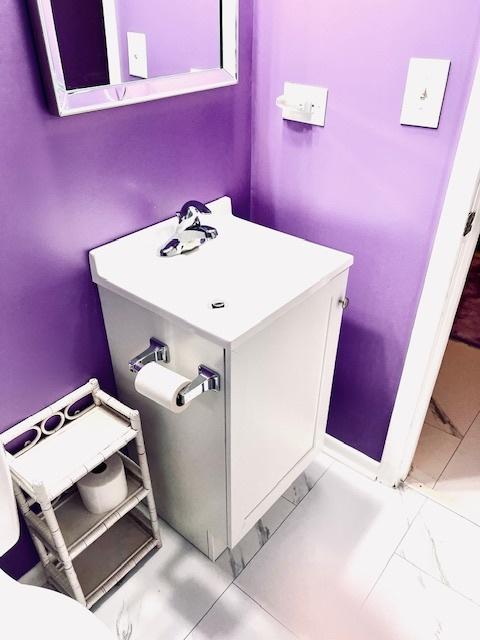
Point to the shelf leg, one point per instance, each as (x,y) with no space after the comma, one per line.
(24,508)
(143,463)
(61,547)
(95,389)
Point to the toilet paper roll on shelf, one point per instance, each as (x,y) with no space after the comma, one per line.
(105,487)
(161,385)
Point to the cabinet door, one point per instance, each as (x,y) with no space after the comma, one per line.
(280,384)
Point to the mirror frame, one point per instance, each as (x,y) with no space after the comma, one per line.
(65,102)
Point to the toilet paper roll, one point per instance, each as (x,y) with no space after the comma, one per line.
(161,385)
(105,487)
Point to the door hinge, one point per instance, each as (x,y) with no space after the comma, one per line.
(469,224)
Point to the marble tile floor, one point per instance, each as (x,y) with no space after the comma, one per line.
(339,557)
(446,466)
(180,573)
(456,393)
(434,451)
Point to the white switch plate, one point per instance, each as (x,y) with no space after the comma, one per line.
(304,103)
(424,92)
(137,54)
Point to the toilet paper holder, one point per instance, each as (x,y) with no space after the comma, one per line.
(207,380)
(158,351)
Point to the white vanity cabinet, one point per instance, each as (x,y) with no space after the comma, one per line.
(262,309)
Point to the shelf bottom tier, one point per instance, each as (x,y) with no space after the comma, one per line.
(109,558)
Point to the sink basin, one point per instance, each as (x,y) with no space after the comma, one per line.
(255,271)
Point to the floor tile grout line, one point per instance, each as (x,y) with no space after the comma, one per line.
(264,609)
(460,440)
(234,578)
(208,611)
(233,581)
(440,414)
(471,424)
(443,505)
(448,586)
(268,539)
(448,433)
(440,428)
(455,451)
(396,548)
(281,524)
(446,465)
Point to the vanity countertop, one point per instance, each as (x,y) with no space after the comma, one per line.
(257,272)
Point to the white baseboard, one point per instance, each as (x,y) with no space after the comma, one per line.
(351,457)
(35,577)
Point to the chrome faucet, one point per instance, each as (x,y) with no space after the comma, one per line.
(190,234)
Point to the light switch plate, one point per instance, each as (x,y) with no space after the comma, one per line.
(137,54)
(424,92)
(304,103)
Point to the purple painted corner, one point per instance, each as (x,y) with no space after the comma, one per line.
(364,183)
(69,185)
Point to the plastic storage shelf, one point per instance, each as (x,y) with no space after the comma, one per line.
(83,554)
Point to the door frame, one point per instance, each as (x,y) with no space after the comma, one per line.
(444,282)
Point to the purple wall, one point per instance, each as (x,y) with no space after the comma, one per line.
(364,183)
(75,183)
(181,34)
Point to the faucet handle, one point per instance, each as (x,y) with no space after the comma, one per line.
(191,209)
(190,233)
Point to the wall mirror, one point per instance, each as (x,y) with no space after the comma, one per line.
(99,54)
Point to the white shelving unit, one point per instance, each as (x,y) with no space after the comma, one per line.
(84,555)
